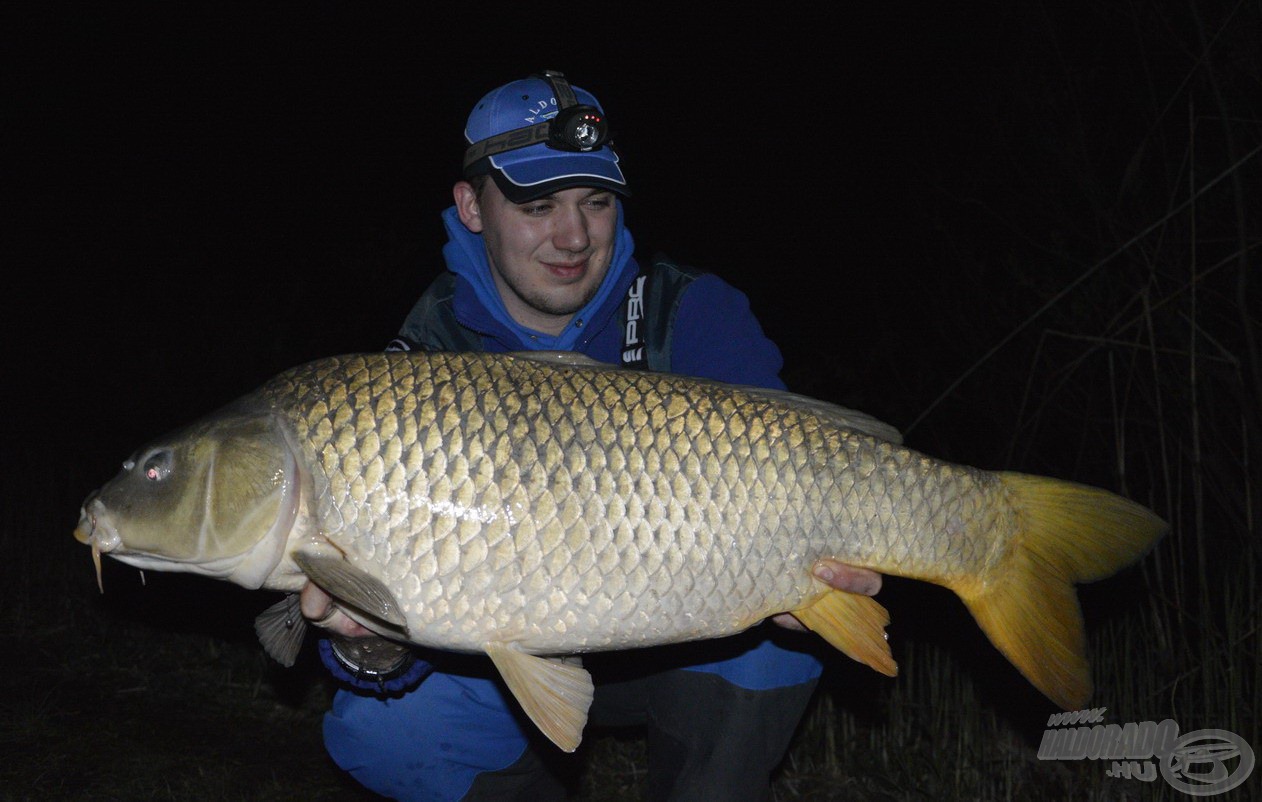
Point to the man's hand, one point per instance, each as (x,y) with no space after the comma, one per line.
(369,661)
(838,576)
(317,607)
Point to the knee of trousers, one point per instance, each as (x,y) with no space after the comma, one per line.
(428,744)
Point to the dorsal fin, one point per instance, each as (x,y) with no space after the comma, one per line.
(566,359)
(839,416)
(842,417)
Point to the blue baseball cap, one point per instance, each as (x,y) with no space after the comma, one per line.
(534,170)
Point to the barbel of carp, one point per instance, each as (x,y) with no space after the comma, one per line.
(537,506)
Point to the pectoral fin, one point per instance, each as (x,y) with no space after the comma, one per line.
(854,624)
(554,692)
(280,629)
(348,584)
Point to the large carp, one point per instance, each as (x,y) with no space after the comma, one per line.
(533,507)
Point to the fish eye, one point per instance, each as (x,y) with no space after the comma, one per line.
(157,466)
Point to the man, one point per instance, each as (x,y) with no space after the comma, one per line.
(539,258)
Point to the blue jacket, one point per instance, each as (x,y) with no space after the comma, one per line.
(715,334)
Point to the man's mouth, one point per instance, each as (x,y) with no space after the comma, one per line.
(566,270)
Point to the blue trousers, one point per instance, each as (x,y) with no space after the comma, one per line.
(715,730)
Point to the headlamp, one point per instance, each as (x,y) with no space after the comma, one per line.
(576,127)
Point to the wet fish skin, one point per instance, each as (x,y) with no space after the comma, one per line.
(546,505)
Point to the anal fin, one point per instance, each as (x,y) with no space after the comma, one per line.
(855,625)
(554,692)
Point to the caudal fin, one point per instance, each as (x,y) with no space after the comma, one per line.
(1026,603)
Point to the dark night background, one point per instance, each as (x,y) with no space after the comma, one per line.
(207,193)
(201,194)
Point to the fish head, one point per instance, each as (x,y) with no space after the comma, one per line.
(217,498)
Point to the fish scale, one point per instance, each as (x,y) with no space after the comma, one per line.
(761,499)
(544,504)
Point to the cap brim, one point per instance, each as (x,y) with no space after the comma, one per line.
(530,173)
(524,194)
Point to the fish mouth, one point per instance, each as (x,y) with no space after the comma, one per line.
(95,530)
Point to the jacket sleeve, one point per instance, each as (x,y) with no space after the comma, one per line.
(716,336)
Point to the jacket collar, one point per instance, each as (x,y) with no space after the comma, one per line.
(477,303)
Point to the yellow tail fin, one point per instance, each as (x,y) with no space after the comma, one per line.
(1026,604)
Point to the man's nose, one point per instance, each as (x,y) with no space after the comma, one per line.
(571,231)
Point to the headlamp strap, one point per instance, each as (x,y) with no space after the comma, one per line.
(560,89)
(509,140)
(552,131)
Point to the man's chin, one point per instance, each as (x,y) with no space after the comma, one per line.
(561,303)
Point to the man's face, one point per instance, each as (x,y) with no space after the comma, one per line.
(547,256)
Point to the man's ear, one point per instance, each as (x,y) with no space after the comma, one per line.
(467,206)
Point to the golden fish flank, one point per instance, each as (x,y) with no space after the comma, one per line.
(534,506)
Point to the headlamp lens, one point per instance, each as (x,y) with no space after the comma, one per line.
(580,128)
(587,135)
